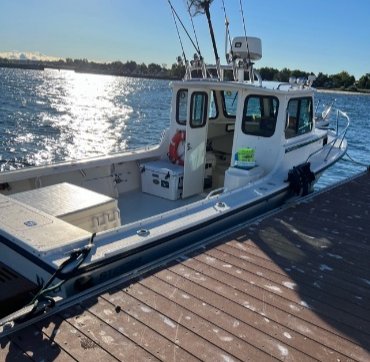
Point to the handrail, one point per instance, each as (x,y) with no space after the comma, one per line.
(342,134)
(338,135)
(280,84)
(215,192)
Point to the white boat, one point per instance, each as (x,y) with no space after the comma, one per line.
(234,149)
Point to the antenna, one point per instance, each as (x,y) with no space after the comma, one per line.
(245,32)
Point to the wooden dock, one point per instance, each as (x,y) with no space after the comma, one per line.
(294,286)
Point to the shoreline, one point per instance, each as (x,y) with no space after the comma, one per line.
(87,71)
(339,91)
(43,67)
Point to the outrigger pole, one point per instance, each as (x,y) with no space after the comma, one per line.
(201,6)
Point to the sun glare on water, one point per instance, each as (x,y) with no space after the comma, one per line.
(87,119)
(51,116)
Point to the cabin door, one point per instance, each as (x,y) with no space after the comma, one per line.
(195,144)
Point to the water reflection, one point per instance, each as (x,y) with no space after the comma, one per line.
(85,121)
(56,115)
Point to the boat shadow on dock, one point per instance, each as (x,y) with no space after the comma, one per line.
(314,257)
(43,340)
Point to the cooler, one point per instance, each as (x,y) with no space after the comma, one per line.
(162,178)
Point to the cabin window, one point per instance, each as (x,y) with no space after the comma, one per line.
(213,108)
(182,106)
(198,109)
(299,117)
(229,103)
(259,115)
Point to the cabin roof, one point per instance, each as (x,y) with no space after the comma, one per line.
(269,87)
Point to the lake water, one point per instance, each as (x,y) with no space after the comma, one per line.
(50,116)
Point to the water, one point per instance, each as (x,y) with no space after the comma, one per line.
(50,116)
(357,106)
(54,115)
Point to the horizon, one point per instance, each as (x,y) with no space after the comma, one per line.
(314,39)
(38,57)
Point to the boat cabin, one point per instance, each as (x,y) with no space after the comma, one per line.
(215,124)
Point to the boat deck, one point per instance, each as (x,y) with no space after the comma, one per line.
(136,205)
(292,286)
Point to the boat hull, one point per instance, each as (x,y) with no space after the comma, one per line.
(94,273)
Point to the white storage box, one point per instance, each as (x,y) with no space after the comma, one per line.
(76,205)
(237,177)
(162,178)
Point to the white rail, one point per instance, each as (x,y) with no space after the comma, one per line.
(339,135)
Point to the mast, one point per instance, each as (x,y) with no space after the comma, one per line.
(208,15)
(203,6)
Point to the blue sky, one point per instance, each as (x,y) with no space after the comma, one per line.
(312,35)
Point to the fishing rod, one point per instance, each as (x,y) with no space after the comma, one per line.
(178,34)
(174,13)
(192,23)
(245,32)
(227,35)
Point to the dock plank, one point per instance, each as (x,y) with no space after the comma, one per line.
(247,258)
(39,346)
(283,285)
(118,313)
(258,344)
(190,319)
(264,315)
(73,340)
(171,329)
(12,352)
(102,333)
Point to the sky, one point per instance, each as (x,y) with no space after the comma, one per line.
(326,36)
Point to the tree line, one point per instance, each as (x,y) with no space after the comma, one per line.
(340,81)
(129,68)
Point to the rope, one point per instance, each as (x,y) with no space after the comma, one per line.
(41,302)
(357,162)
(78,256)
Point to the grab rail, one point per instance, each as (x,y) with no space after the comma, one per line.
(338,135)
(215,192)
